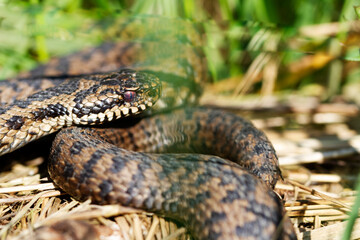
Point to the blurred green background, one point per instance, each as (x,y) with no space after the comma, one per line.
(257,46)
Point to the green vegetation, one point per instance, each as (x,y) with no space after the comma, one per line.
(237,32)
(354,213)
(244,39)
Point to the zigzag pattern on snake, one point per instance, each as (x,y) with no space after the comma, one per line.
(215,198)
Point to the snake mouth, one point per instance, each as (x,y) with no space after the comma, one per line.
(110,115)
(126,111)
(117,109)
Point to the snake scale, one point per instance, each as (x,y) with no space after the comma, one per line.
(218,196)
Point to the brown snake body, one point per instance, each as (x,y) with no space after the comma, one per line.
(215,198)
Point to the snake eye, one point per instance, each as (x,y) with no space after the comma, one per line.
(129,96)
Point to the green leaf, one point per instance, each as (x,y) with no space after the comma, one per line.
(353,54)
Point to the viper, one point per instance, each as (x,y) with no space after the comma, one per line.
(209,169)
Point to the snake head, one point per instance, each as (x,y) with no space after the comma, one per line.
(114,95)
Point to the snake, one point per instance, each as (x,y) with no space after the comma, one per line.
(209,169)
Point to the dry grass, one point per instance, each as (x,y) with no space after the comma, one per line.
(39,211)
(318,149)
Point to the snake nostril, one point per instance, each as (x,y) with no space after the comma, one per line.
(129,96)
(152,93)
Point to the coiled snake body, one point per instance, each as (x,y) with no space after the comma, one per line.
(215,198)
